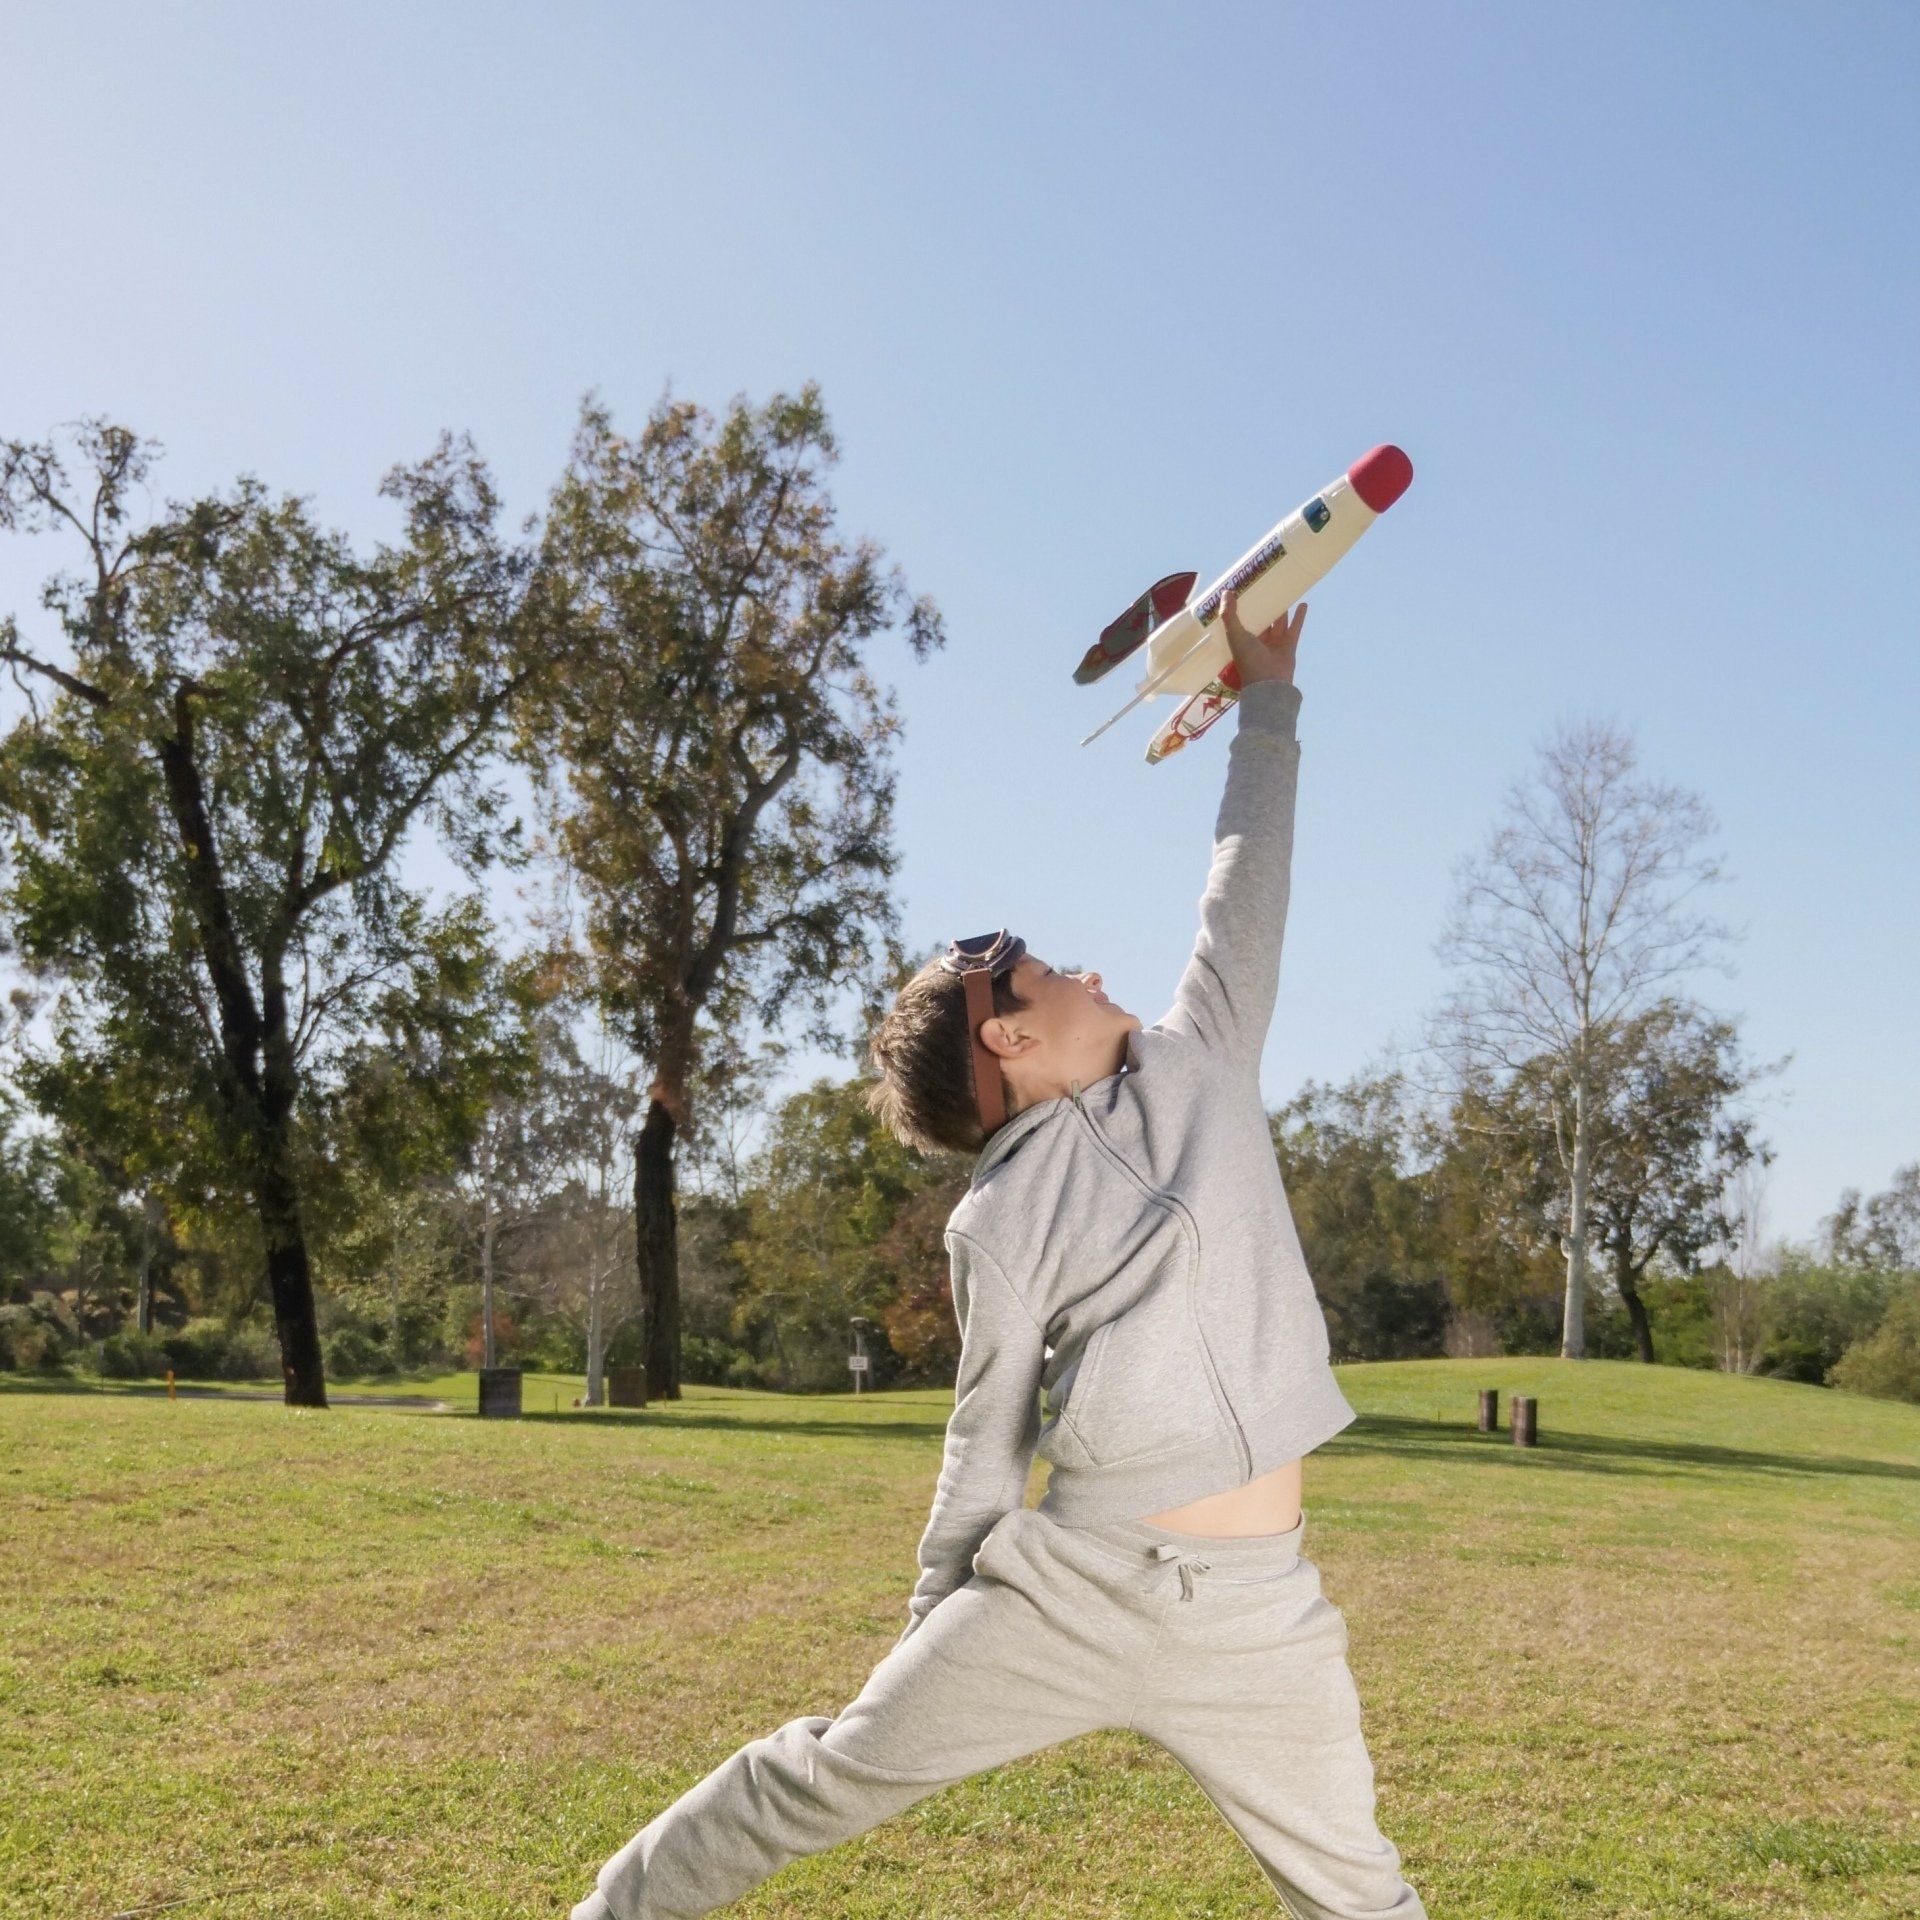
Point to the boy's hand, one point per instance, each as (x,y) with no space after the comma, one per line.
(1265,656)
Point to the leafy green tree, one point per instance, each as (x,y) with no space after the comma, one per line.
(827,1186)
(1886,1362)
(1662,1141)
(1816,1310)
(205,815)
(29,1164)
(1883,1231)
(713,762)
(1363,1215)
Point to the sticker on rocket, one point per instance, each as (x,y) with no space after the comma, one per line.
(1187,648)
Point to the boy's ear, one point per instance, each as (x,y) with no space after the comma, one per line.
(1007,1044)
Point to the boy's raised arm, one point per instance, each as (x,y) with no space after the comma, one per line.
(993,1430)
(1226,995)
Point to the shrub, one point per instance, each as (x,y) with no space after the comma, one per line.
(252,1353)
(133,1356)
(197,1351)
(32,1337)
(1886,1363)
(353,1350)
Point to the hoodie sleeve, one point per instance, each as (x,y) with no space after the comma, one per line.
(992,1431)
(1225,997)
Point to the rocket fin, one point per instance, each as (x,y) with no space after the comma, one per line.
(1196,714)
(1120,637)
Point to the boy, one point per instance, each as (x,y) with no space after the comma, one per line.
(1134,1308)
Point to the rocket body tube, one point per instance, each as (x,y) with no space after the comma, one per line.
(1276,570)
(1190,653)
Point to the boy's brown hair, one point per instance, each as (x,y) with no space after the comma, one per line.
(923,1050)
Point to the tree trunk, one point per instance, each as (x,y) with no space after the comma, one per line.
(656,1246)
(289,1278)
(289,1275)
(596,1345)
(1627,1280)
(1573,1334)
(487,1356)
(143,1312)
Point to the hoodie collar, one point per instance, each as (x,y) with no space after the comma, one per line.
(1010,1133)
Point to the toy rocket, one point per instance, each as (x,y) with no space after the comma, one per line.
(1187,647)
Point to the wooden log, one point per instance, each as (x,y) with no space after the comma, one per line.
(1489,1409)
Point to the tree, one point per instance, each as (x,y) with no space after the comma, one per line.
(1884,1232)
(516,1149)
(205,817)
(1663,1142)
(1737,1300)
(713,763)
(586,1236)
(1562,927)
(828,1186)
(1363,1215)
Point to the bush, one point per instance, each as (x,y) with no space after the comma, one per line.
(197,1351)
(133,1356)
(351,1350)
(1886,1363)
(1813,1312)
(252,1353)
(32,1337)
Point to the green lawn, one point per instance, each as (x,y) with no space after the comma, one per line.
(459,1388)
(375,1662)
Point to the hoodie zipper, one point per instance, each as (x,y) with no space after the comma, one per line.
(1178,1207)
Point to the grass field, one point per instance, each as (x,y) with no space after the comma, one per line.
(375,1662)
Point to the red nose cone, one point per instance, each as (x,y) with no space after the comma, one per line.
(1381,477)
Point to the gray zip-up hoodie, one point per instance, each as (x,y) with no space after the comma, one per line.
(1132,1300)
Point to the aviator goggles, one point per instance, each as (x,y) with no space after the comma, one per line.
(976,960)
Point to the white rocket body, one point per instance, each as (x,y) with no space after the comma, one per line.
(1271,575)
(1188,652)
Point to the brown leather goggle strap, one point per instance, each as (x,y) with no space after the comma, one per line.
(988,1095)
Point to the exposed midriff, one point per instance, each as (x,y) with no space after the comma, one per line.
(1269,1504)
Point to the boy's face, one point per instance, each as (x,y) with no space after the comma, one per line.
(1068,1031)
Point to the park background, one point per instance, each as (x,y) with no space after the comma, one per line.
(1087,299)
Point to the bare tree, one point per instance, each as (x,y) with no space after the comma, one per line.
(1562,929)
(587,1239)
(1736,1300)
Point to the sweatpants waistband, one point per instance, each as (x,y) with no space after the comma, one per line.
(1246,1552)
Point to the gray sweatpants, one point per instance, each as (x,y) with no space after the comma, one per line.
(1222,1650)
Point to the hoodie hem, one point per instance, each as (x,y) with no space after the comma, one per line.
(1127,1490)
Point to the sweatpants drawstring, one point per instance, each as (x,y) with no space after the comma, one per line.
(1189,1564)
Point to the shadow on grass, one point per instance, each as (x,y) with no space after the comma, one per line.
(1412,1439)
(1607,1452)
(1375,1433)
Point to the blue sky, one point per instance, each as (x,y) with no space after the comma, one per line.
(1094,293)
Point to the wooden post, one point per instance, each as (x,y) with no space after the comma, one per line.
(1489,1409)
(1523,1420)
(169,1385)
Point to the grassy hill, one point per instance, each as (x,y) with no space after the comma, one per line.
(386,1661)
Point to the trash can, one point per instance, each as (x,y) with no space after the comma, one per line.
(500,1393)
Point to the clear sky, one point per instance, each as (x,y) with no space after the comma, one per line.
(1098,292)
